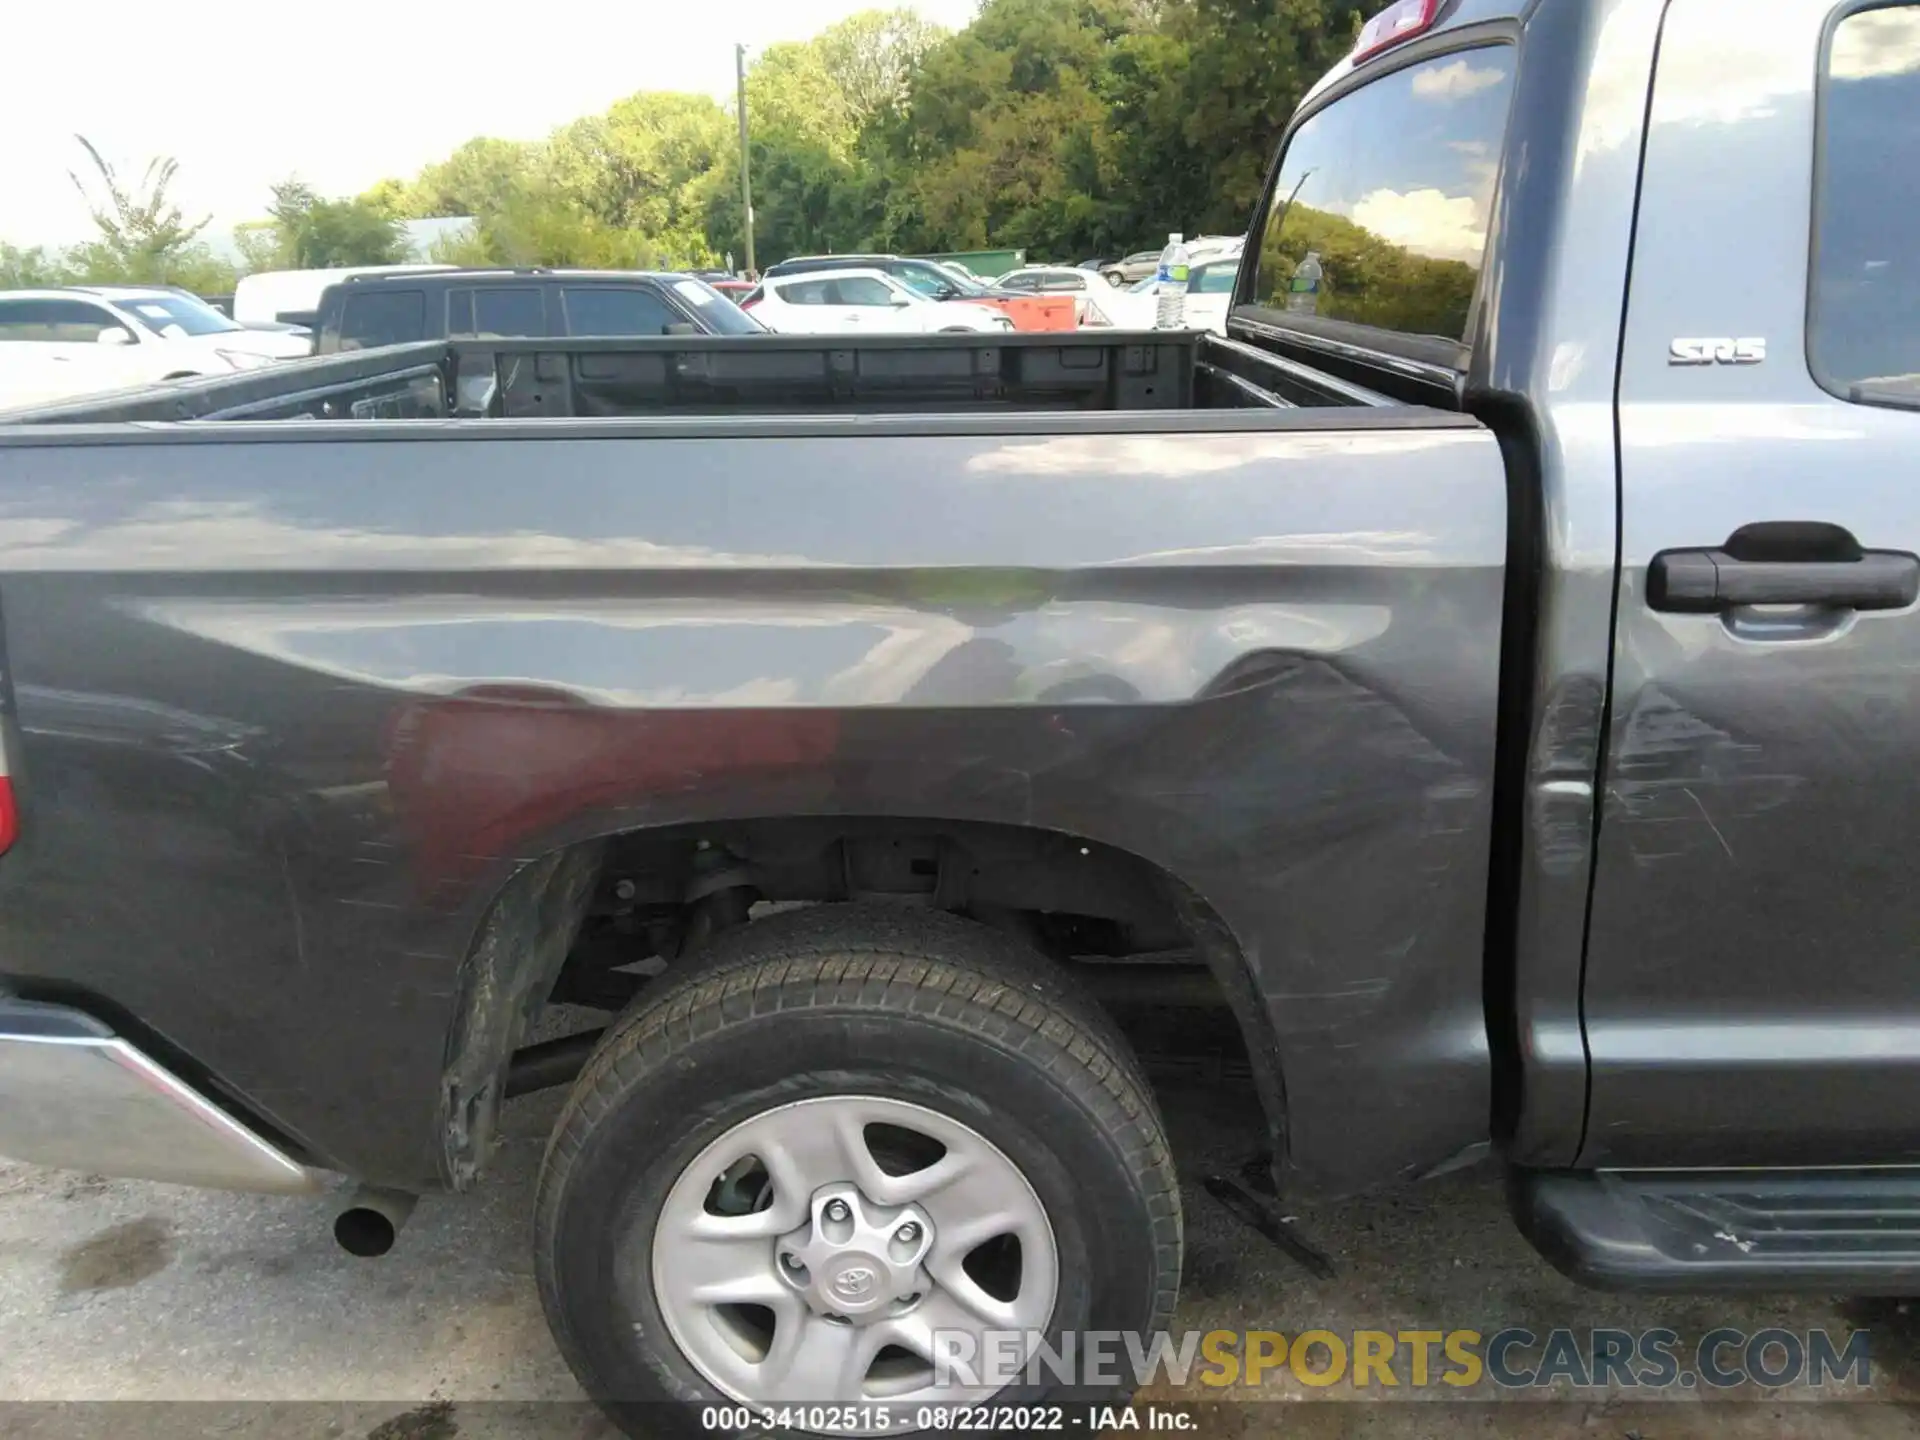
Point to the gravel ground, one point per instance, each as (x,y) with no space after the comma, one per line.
(199,1314)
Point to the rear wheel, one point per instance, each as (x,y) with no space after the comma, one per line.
(1114,278)
(823,1168)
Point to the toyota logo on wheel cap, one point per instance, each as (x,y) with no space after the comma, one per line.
(856,1282)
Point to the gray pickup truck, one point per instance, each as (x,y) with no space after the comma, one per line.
(1489,675)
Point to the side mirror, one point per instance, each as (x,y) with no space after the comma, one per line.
(945,292)
(680,327)
(900,302)
(113,335)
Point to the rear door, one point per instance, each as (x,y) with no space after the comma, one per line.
(1753,972)
(806,307)
(51,348)
(866,302)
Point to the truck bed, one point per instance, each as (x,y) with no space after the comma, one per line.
(312,691)
(713,375)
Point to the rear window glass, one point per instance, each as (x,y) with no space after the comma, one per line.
(71,322)
(861,290)
(503,314)
(1864,318)
(1214,279)
(717,313)
(1379,213)
(604,310)
(806,292)
(383,317)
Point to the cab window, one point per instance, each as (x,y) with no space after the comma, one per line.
(1214,279)
(1379,213)
(1863,332)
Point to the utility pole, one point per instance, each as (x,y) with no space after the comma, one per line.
(746,180)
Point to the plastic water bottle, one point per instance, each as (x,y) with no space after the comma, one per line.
(1170,308)
(1303,291)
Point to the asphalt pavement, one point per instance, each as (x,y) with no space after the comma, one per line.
(135,1310)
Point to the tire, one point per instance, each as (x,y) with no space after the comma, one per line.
(945,1025)
(1115,278)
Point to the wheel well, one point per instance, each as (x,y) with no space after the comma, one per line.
(596,924)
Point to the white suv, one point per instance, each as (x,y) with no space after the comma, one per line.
(856,302)
(81,339)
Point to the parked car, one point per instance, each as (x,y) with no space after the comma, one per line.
(1209,291)
(1206,295)
(851,301)
(926,276)
(1049,279)
(1136,267)
(1083,286)
(1145,264)
(1133,307)
(82,339)
(363,311)
(943,280)
(1483,683)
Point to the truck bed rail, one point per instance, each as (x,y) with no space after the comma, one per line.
(688,375)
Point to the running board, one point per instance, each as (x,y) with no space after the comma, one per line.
(1853,1232)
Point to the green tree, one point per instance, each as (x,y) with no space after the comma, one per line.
(262,245)
(1008,139)
(32,268)
(826,175)
(477,179)
(388,197)
(1065,126)
(144,237)
(316,234)
(1198,102)
(644,168)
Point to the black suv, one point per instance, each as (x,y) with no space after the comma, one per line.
(364,311)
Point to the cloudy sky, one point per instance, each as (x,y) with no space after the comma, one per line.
(342,94)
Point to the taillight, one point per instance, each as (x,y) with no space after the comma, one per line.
(1395,25)
(9,815)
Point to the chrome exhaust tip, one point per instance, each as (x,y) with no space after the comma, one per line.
(372,1220)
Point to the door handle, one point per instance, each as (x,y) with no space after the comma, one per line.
(1783,563)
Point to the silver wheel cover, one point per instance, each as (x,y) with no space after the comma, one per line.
(856,1259)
